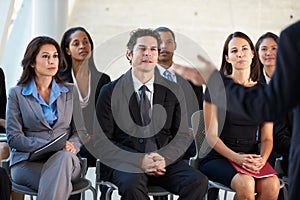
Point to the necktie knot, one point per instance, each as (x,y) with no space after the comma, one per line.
(143,89)
(168,75)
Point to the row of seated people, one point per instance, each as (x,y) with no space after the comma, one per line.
(46,87)
(77,49)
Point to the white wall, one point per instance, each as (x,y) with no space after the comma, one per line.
(207,22)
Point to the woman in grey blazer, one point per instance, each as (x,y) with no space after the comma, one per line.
(40,108)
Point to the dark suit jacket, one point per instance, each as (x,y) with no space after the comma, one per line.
(119,116)
(96,77)
(194,99)
(2,98)
(280,96)
(262,78)
(282,139)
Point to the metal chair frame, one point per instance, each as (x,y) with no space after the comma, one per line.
(202,148)
(79,186)
(152,190)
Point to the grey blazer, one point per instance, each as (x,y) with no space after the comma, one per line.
(27,128)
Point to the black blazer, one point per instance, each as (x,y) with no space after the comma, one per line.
(279,97)
(119,116)
(282,139)
(262,78)
(96,77)
(2,98)
(194,100)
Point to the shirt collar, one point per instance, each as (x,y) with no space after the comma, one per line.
(56,89)
(266,77)
(30,89)
(137,84)
(162,69)
(84,101)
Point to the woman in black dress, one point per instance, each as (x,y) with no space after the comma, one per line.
(237,140)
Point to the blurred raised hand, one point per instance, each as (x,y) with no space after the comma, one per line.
(198,75)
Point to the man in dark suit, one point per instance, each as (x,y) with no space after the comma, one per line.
(282,139)
(193,94)
(279,97)
(146,152)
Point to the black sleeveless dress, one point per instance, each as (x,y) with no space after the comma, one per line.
(238,134)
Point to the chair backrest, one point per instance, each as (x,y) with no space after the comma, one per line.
(202,146)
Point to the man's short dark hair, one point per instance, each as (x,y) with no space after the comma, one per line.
(134,35)
(165,29)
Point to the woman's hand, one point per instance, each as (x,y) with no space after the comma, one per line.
(70,147)
(252,162)
(2,123)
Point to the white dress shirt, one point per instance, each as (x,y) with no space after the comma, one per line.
(138,84)
(84,101)
(170,69)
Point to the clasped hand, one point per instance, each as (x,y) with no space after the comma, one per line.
(251,162)
(70,147)
(154,164)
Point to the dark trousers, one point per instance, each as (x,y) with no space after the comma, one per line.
(91,160)
(5,185)
(213,194)
(165,197)
(294,171)
(180,179)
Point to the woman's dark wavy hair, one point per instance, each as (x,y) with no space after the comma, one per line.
(64,44)
(261,38)
(29,58)
(227,67)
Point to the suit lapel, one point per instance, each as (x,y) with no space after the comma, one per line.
(131,97)
(180,80)
(159,90)
(159,94)
(61,105)
(37,110)
(135,109)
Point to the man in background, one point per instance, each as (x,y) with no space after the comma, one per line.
(193,94)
